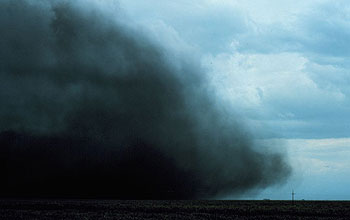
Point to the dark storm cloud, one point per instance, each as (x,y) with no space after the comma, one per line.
(91,108)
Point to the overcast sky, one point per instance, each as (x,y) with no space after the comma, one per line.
(282,65)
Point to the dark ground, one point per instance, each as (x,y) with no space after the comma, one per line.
(112,209)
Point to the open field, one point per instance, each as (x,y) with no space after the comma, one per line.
(112,209)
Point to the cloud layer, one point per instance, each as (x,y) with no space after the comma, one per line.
(283,65)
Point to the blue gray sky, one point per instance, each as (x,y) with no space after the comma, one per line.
(283,66)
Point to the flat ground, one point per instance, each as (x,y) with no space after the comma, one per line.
(112,209)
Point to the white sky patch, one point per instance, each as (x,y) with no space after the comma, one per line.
(324,154)
(269,11)
(278,84)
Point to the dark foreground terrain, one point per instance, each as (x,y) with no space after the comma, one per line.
(110,209)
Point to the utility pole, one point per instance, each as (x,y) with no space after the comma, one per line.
(293,195)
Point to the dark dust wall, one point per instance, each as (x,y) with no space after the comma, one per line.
(89,107)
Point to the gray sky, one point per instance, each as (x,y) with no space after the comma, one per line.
(282,65)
